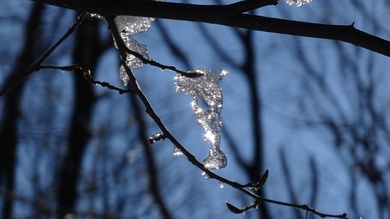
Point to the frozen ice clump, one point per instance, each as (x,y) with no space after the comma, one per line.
(131,61)
(128,26)
(206,88)
(133,24)
(177,151)
(298,3)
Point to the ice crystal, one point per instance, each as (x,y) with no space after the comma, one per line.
(206,88)
(298,3)
(128,26)
(133,24)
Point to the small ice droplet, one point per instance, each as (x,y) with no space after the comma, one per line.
(177,151)
(156,137)
(205,175)
(221,185)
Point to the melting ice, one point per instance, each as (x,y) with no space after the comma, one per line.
(206,88)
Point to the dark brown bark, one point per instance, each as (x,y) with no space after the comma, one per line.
(226,15)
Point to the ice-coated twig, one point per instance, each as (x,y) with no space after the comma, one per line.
(149,61)
(128,26)
(136,52)
(206,88)
(191,158)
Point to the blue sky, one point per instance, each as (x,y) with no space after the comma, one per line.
(288,108)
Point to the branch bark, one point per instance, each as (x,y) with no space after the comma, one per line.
(228,15)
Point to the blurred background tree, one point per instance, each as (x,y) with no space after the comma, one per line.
(313,111)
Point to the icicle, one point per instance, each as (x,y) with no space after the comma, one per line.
(206,88)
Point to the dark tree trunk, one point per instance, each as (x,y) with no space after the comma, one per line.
(10,114)
(87,51)
(254,167)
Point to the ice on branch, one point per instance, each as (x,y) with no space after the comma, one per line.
(298,3)
(129,25)
(177,151)
(205,88)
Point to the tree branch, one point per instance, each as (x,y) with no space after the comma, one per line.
(227,16)
(87,75)
(158,9)
(36,66)
(245,188)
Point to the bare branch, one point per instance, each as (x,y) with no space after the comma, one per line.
(162,66)
(224,15)
(157,9)
(87,75)
(191,158)
(44,57)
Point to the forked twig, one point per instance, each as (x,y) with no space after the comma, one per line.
(87,75)
(162,66)
(37,65)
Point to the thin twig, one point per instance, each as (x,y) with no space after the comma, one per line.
(87,75)
(151,62)
(34,68)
